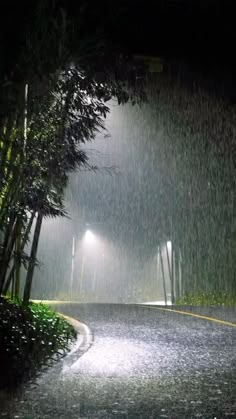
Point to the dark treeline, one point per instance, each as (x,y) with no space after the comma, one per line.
(57,72)
(197,111)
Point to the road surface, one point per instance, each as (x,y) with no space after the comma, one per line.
(144,363)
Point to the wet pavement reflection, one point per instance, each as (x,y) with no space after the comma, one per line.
(143,364)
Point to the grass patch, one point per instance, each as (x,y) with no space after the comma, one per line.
(208,299)
(31,337)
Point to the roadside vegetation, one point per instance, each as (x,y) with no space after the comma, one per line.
(32,337)
(208,299)
(50,106)
(55,82)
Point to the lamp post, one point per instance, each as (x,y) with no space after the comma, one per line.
(88,239)
(159,255)
(72,266)
(170,262)
(165,268)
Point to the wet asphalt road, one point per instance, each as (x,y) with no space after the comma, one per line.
(144,363)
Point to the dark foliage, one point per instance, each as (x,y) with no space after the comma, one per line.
(30,338)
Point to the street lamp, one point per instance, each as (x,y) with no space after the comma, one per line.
(169,245)
(90,241)
(170,262)
(89,237)
(166,251)
(72,266)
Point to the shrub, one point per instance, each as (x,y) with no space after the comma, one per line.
(30,337)
(208,299)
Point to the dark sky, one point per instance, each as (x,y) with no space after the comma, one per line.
(201,31)
(174,27)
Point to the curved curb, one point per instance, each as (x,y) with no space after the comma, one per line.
(83,343)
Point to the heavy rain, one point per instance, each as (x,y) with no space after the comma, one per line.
(117,210)
(164,179)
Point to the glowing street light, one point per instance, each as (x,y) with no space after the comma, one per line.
(169,244)
(89,237)
(89,248)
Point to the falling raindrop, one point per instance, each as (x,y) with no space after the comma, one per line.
(166,181)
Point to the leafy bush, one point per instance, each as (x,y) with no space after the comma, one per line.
(208,299)
(30,337)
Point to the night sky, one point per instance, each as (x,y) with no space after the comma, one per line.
(202,31)
(197,30)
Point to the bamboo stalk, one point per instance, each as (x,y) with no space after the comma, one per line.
(34,248)
(23,243)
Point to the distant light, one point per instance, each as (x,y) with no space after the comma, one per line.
(89,237)
(169,244)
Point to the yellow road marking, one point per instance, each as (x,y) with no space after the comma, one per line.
(199,316)
(186,313)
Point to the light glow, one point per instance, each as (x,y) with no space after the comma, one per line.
(89,237)
(169,244)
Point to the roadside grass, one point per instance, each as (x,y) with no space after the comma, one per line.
(208,299)
(31,338)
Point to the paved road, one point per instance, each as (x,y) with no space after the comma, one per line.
(144,363)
